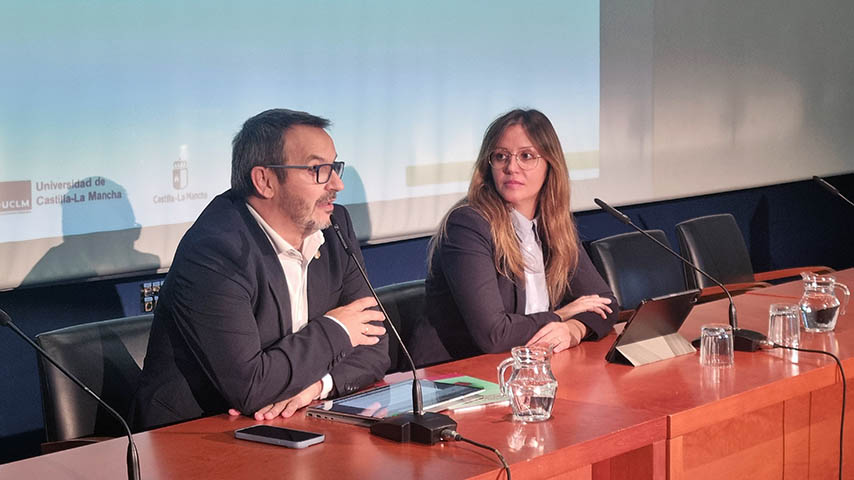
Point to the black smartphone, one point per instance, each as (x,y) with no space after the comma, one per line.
(284,437)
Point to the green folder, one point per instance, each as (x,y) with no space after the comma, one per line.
(491,394)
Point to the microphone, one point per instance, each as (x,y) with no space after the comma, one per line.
(830,188)
(743,340)
(132,455)
(417,426)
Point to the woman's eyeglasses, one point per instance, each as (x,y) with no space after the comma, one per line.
(527,159)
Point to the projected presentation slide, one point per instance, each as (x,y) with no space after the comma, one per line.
(118,116)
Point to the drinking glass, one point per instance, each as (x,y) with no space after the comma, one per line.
(784,324)
(716,345)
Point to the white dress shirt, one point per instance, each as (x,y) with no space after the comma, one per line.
(536,289)
(295,266)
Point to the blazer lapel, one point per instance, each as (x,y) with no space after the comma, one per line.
(278,285)
(275,276)
(318,288)
(519,289)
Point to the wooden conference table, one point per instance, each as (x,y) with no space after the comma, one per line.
(772,415)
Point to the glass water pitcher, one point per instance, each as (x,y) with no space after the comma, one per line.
(820,307)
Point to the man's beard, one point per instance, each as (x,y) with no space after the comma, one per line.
(302,214)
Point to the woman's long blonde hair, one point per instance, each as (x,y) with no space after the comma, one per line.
(555,226)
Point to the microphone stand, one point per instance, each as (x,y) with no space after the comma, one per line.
(833,190)
(743,340)
(132,455)
(418,426)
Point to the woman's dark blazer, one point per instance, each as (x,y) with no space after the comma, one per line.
(472,309)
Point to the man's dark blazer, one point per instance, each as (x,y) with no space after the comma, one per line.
(222,337)
(473,309)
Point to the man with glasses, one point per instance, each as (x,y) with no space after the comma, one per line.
(263,311)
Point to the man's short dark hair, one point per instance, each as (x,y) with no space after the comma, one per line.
(261,142)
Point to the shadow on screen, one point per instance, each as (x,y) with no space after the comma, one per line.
(100,206)
(356,200)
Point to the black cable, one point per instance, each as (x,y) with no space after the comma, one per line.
(844,393)
(449,434)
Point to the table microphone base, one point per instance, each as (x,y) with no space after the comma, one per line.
(744,340)
(410,427)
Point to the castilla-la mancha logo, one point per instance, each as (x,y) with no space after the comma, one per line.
(180,170)
(16,197)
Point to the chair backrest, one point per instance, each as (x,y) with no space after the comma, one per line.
(715,244)
(636,268)
(404,303)
(107,357)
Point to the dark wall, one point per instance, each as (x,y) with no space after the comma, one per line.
(786,225)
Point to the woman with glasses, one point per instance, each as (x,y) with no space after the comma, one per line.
(506,266)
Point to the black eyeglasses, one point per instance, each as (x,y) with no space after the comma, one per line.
(322,172)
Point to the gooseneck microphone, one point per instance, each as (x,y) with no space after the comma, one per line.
(132,455)
(743,340)
(833,190)
(417,426)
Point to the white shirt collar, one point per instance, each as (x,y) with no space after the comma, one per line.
(310,245)
(524,228)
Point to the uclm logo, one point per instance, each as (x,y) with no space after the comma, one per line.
(16,197)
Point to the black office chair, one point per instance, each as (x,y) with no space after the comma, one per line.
(404,303)
(636,268)
(106,356)
(715,244)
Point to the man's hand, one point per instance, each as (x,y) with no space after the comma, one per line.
(587,303)
(356,317)
(287,407)
(560,335)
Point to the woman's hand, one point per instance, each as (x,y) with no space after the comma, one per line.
(560,335)
(587,303)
